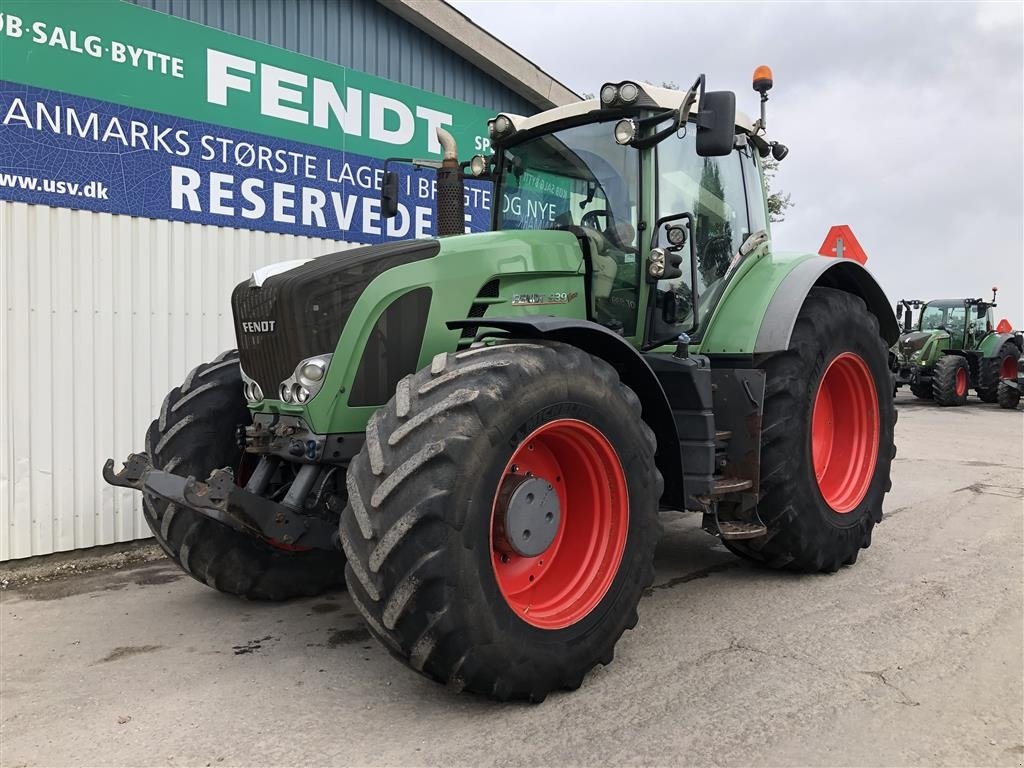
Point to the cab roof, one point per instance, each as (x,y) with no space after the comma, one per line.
(664,98)
(945,303)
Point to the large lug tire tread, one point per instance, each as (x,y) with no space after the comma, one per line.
(988,395)
(922,391)
(418,551)
(804,534)
(1007,396)
(944,380)
(195,434)
(992,368)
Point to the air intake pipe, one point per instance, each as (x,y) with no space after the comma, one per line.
(451,196)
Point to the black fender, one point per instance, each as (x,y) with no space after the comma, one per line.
(842,274)
(633,370)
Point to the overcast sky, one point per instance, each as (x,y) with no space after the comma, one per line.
(904,121)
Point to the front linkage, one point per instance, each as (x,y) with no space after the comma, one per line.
(241,509)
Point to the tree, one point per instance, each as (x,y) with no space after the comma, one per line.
(778,201)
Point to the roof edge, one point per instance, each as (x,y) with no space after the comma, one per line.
(458,32)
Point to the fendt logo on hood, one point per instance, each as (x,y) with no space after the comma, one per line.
(258,326)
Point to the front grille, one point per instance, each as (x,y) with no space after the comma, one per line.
(308,307)
(393,348)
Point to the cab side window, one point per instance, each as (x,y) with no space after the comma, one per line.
(713,190)
(755,197)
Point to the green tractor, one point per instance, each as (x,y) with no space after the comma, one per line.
(477,432)
(954,346)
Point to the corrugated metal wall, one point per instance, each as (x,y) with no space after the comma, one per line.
(360,34)
(102,316)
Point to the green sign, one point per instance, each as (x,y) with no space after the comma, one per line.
(110,50)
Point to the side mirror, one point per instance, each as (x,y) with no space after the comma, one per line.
(389,195)
(716,124)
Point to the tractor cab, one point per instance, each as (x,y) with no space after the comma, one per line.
(661,187)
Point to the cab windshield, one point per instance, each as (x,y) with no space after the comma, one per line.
(944,318)
(579,179)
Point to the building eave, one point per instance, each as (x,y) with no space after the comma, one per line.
(476,45)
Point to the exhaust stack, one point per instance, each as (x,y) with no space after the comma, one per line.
(451,197)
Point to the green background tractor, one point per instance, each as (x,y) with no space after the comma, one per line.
(477,432)
(954,346)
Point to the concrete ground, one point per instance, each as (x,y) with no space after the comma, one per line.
(911,657)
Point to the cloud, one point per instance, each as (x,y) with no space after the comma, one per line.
(904,120)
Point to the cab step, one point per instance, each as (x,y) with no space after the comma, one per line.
(726,485)
(736,529)
(723,435)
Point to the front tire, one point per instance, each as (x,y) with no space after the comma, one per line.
(950,380)
(826,440)
(195,434)
(430,535)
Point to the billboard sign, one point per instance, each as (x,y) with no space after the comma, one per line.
(106,106)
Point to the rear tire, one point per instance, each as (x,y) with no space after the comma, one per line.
(806,533)
(195,434)
(1007,396)
(950,380)
(424,566)
(1004,366)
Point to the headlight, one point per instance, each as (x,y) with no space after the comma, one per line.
(478,165)
(608,94)
(656,263)
(306,380)
(313,370)
(676,235)
(625,131)
(628,92)
(250,388)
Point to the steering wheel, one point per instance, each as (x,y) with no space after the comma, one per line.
(589,219)
(619,233)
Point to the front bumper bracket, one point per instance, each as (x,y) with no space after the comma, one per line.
(220,498)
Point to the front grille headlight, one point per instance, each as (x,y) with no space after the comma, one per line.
(306,381)
(250,388)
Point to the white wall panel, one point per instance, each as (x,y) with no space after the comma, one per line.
(102,316)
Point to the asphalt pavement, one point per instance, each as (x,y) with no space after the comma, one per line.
(913,656)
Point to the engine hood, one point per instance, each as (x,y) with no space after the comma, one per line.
(912,342)
(285,315)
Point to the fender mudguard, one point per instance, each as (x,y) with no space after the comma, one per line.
(633,370)
(992,344)
(842,274)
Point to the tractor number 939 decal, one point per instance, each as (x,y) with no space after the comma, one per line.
(540,299)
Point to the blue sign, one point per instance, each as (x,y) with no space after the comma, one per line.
(75,152)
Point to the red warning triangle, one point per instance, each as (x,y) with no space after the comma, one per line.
(840,243)
(1004,326)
